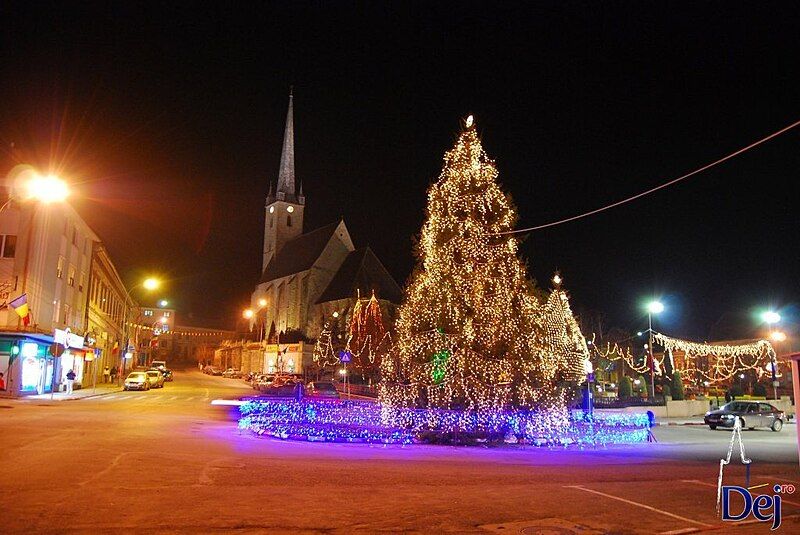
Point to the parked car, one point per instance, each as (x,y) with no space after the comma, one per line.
(283,386)
(231,373)
(321,389)
(168,376)
(211,370)
(159,364)
(258,378)
(264,381)
(752,414)
(155,378)
(136,381)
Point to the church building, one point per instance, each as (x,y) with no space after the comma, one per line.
(312,278)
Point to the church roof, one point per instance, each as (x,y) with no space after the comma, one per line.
(299,254)
(362,270)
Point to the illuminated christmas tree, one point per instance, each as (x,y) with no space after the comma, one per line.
(471,333)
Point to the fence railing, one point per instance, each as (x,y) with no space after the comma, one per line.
(616,403)
(358,390)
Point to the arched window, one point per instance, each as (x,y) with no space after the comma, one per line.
(271,220)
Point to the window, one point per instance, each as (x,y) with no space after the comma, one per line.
(271,220)
(148,312)
(166,314)
(60,268)
(56,311)
(288,221)
(82,281)
(71,275)
(67,311)
(9,245)
(74,236)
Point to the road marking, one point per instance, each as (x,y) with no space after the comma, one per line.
(637,504)
(173,398)
(112,396)
(190,399)
(697,482)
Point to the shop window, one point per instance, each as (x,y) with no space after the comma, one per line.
(60,267)
(9,246)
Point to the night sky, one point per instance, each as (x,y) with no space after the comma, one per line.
(170,122)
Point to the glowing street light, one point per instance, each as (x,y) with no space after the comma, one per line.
(770,316)
(778,336)
(46,189)
(248,313)
(653,307)
(163,303)
(262,302)
(335,314)
(151,283)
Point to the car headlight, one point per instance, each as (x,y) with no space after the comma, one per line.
(727,416)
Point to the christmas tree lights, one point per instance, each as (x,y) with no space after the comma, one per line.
(471,334)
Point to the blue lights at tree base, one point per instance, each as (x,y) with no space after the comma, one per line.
(369,422)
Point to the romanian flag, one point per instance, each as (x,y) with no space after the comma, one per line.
(20,306)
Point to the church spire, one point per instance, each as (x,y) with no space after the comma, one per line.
(286,189)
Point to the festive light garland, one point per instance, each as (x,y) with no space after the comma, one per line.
(725,360)
(367,421)
(367,337)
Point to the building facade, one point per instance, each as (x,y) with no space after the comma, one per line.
(107,310)
(46,256)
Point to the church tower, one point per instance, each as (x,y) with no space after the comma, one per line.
(284,210)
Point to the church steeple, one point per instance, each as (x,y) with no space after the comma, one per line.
(286,186)
(283,219)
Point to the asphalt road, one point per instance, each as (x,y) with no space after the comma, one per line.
(168,461)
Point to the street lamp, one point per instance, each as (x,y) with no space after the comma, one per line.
(163,303)
(149,283)
(248,313)
(653,307)
(25,184)
(770,317)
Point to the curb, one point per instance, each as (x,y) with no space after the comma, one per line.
(683,423)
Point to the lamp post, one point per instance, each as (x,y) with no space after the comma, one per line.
(149,284)
(653,307)
(770,317)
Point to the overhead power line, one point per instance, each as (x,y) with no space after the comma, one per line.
(662,186)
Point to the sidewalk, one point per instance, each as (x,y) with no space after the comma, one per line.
(103,389)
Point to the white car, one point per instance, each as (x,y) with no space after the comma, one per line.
(136,381)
